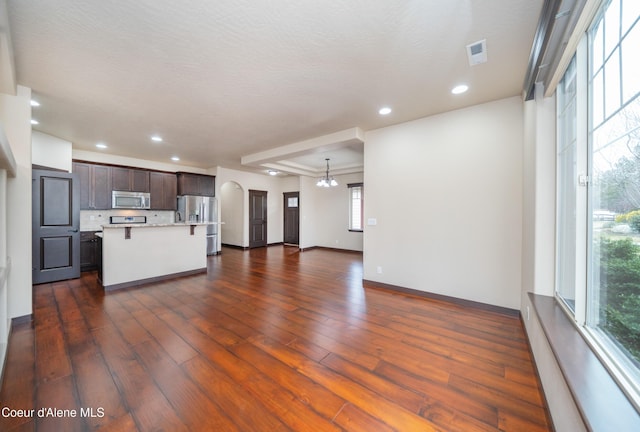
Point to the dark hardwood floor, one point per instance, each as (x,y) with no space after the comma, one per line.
(269,339)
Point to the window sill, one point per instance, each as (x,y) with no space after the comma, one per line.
(601,402)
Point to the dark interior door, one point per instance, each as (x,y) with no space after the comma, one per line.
(257,218)
(292,218)
(56,226)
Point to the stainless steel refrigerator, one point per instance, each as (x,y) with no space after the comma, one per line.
(200,209)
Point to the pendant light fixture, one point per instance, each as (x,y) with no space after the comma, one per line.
(327,181)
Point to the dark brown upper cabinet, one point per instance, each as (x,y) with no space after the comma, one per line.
(129,179)
(95,186)
(163,188)
(196,184)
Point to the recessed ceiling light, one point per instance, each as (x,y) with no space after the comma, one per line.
(34,122)
(175,158)
(384,111)
(272,172)
(35,103)
(156,138)
(101,146)
(459,89)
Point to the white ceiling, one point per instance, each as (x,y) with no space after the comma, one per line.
(227,80)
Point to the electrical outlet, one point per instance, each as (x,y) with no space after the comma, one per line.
(379,269)
(527,313)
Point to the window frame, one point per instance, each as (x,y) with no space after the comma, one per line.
(603,345)
(351,187)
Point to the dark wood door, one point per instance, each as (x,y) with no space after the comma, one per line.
(188,184)
(88,251)
(139,180)
(84,180)
(170,191)
(207,185)
(196,184)
(163,191)
(292,218)
(129,179)
(120,179)
(95,186)
(101,187)
(257,218)
(55,226)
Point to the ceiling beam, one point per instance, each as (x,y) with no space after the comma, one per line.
(314,145)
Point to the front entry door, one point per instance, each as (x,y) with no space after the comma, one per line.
(257,218)
(55,226)
(292,218)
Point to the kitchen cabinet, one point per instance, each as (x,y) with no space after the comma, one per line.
(129,179)
(95,185)
(89,252)
(196,184)
(163,188)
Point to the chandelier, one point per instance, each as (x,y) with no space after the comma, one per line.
(327,181)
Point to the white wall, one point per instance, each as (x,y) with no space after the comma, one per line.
(539,195)
(275,186)
(4,267)
(309,217)
(446,192)
(137,258)
(51,152)
(325,214)
(538,252)
(15,116)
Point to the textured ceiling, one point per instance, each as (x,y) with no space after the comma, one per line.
(219,80)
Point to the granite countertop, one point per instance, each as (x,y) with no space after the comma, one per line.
(156,225)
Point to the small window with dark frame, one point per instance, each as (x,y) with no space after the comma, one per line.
(356,206)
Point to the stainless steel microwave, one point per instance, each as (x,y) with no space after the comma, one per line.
(130,200)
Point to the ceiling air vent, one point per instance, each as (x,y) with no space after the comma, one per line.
(477,52)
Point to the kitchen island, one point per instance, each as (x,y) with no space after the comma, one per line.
(135,254)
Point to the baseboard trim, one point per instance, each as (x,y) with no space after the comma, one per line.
(17,322)
(330,249)
(234,246)
(156,279)
(24,319)
(247,248)
(433,296)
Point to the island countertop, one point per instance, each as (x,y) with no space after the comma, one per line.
(140,253)
(156,225)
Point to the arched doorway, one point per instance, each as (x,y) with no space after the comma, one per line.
(232,214)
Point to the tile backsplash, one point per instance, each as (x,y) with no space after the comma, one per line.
(92,220)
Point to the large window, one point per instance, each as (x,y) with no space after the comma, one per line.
(567,153)
(598,237)
(355,206)
(613,306)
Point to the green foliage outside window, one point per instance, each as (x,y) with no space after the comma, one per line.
(632,218)
(620,292)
